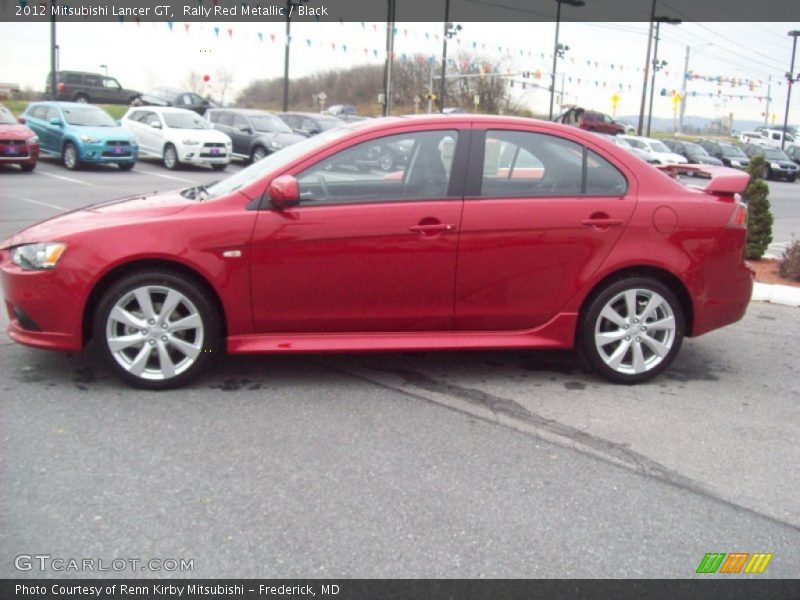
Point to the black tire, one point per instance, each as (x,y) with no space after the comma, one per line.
(768,174)
(28,167)
(82,98)
(792,179)
(258,153)
(209,342)
(591,323)
(171,158)
(126,166)
(70,157)
(219,167)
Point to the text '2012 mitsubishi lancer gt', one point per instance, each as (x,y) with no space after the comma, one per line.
(494,232)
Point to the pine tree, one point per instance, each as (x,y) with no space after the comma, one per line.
(759,218)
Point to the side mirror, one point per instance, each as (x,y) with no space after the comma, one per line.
(21,120)
(155,124)
(284,192)
(55,121)
(118,122)
(245,130)
(313,131)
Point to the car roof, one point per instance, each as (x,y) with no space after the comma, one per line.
(63,104)
(243,111)
(165,109)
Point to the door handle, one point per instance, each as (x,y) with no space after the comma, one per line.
(601,222)
(431,228)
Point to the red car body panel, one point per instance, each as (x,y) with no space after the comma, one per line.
(500,273)
(14,146)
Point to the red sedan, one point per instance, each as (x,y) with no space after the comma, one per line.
(18,144)
(494,233)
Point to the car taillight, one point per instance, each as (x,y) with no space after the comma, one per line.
(739,217)
(61,87)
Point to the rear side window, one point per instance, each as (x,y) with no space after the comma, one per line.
(520,164)
(92,81)
(73,78)
(224,118)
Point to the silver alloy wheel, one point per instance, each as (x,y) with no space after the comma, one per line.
(170,157)
(70,156)
(258,154)
(635,331)
(386,161)
(155,332)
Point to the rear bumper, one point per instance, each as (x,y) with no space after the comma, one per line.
(725,300)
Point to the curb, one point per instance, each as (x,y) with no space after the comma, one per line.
(785,295)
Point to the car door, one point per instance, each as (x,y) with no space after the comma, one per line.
(364,251)
(150,137)
(241,133)
(541,212)
(55,133)
(36,121)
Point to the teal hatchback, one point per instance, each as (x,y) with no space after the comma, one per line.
(79,133)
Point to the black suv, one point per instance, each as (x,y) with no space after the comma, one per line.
(776,162)
(730,155)
(78,86)
(255,133)
(308,124)
(694,153)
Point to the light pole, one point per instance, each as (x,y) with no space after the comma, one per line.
(646,68)
(105,69)
(387,74)
(450,31)
(53,50)
(790,78)
(657,65)
(558,49)
(290,6)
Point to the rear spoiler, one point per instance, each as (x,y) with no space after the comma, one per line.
(724,180)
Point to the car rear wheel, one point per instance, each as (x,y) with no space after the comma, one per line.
(632,330)
(28,166)
(258,153)
(171,157)
(386,161)
(157,330)
(82,98)
(219,167)
(70,156)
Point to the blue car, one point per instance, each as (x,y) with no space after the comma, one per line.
(80,133)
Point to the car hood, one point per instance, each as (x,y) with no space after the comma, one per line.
(706,160)
(13,132)
(201,135)
(282,138)
(672,157)
(103,133)
(100,216)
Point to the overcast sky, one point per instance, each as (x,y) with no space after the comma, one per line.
(148,54)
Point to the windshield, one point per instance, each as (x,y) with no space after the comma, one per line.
(623,143)
(184,121)
(6,118)
(273,162)
(327,124)
(732,151)
(89,116)
(659,147)
(694,149)
(269,124)
(775,154)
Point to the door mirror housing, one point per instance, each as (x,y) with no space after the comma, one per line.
(55,121)
(21,120)
(245,130)
(284,192)
(155,124)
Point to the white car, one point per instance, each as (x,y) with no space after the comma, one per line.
(177,136)
(660,153)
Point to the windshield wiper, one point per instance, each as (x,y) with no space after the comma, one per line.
(198,192)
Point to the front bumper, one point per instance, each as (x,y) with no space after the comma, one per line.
(43,308)
(108,153)
(203,155)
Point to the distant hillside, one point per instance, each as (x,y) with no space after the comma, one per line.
(690,123)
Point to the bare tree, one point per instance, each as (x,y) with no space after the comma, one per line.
(223,79)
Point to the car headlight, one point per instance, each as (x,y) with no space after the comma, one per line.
(89,140)
(228,144)
(736,163)
(34,257)
(190,142)
(775,165)
(34,139)
(274,144)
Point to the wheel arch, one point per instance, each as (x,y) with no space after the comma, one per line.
(128,268)
(659,274)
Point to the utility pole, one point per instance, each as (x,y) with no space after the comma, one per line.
(387,82)
(444,53)
(430,90)
(682,110)
(646,69)
(790,77)
(657,66)
(53,65)
(286,56)
(769,98)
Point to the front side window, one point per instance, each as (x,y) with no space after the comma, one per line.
(112,84)
(521,164)
(408,166)
(241,123)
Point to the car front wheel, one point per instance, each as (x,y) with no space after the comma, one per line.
(259,152)
(70,156)
(157,330)
(632,330)
(171,157)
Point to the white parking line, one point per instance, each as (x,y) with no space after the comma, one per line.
(40,172)
(164,176)
(40,202)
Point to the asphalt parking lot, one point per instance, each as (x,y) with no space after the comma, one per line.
(485,464)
